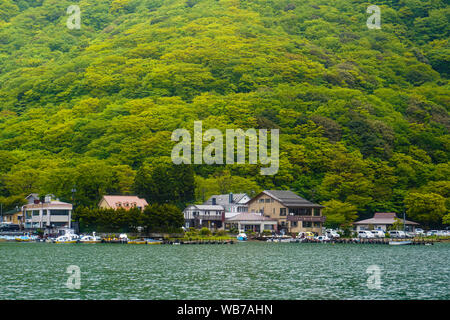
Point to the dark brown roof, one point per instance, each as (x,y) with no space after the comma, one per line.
(384,218)
(290,199)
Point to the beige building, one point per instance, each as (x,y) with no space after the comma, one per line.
(122,202)
(49,213)
(251,221)
(13,216)
(293,213)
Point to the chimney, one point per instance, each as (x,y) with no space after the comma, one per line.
(213,201)
(231,198)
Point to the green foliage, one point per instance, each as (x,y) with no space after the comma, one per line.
(397,225)
(339,214)
(166,183)
(162,218)
(205,232)
(154,218)
(363,114)
(446,219)
(428,208)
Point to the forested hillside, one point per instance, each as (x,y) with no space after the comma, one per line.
(363,113)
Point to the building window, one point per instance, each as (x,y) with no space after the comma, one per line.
(261,200)
(307,224)
(316,224)
(35,213)
(317,212)
(282,211)
(44,212)
(59,212)
(267,200)
(294,224)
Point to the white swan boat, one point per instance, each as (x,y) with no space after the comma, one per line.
(90,239)
(242,237)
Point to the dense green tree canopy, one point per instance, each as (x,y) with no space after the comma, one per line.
(363,113)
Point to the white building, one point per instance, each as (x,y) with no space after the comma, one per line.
(200,215)
(382,221)
(233,204)
(50,213)
(251,221)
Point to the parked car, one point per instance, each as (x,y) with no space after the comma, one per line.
(378,233)
(332,234)
(307,234)
(322,238)
(419,232)
(397,234)
(432,233)
(9,227)
(366,234)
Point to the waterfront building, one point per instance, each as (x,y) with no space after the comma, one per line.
(233,204)
(47,213)
(32,198)
(292,213)
(251,221)
(382,221)
(200,215)
(122,202)
(13,216)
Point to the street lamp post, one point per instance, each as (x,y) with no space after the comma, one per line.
(74,190)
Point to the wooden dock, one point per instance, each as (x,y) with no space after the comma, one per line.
(414,242)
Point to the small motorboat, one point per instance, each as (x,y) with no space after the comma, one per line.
(153,241)
(242,237)
(90,239)
(137,241)
(65,239)
(400,243)
(25,238)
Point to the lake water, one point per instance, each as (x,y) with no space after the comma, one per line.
(250,270)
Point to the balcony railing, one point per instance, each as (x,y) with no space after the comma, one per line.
(306,218)
(210,217)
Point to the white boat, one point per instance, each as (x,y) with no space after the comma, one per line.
(65,239)
(68,236)
(399,243)
(90,239)
(241,237)
(26,238)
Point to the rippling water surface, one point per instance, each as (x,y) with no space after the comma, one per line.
(249,270)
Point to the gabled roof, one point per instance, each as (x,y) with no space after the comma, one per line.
(10,212)
(208,207)
(113,201)
(289,199)
(384,218)
(224,199)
